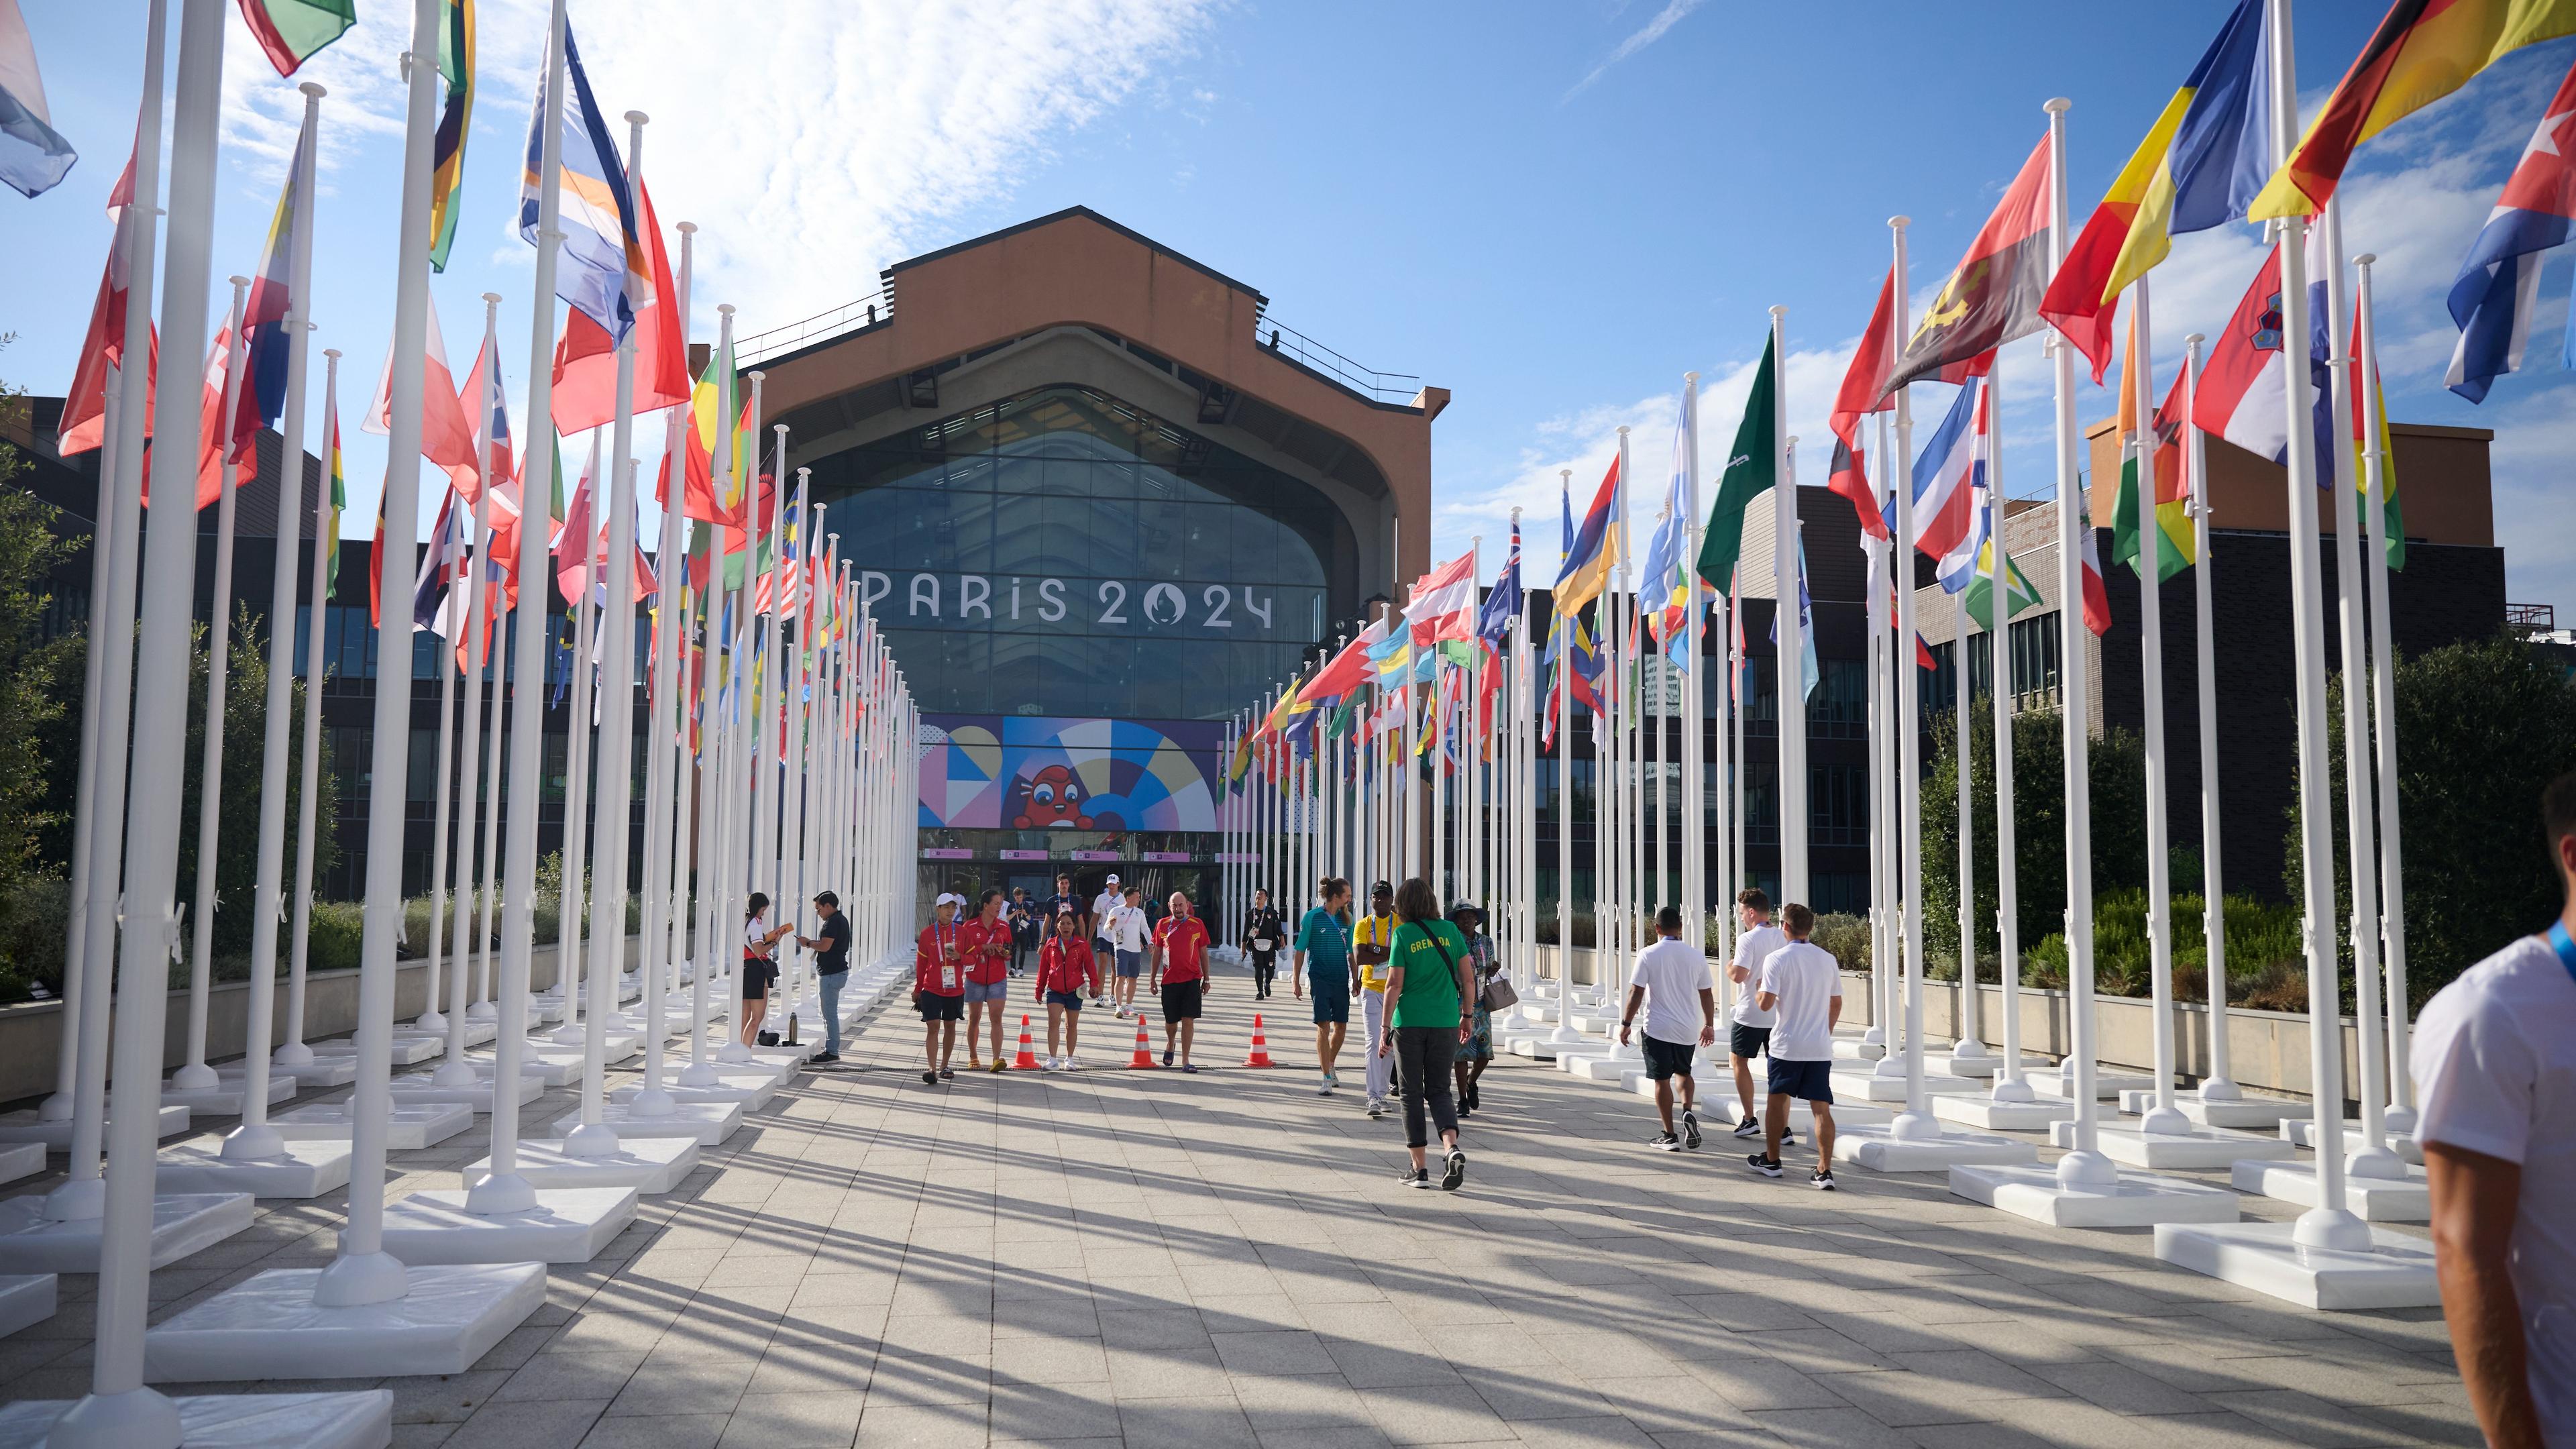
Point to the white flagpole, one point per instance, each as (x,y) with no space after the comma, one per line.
(2162,1115)
(2370,1157)
(710,779)
(2219,1085)
(1971,1044)
(575,850)
(1882,784)
(473,793)
(1739,861)
(1694,821)
(1791,650)
(1618,811)
(1530,700)
(1564,1034)
(2400,1116)
(1916,1121)
(2329,1224)
(2008,1084)
(195,1075)
(454,546)
(662,921)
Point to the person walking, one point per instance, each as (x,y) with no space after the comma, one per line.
(1180,975)
(1749,1027)
(1064,963)
(1129,937)
(1263,937)
(831,947)
(1477,1052)
(2495,1073)
(1321,958)
(1372,936)
(759,973)
(986,941)
(1103,906)
(1427,1020)
(1671,983)
(1065,899)
(939,988)
(1025,935)
(1802,985)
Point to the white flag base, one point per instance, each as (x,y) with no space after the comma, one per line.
(2128,1201)
(2395,1271)
(2298,1130)
(2106,1085)
(1879,1149)
(567,1225)
(21,1159)
(705,1123)
(1877,1086)
(23,1126)
(228,1095)
(2375,1199)
(303,1169)
(2255,1112)
(418,1087)
(271,1328)
(2201,1148)
(1993,1116)
(182,1223)
(360,1419)
(649,1165)
(410,1126)
(26,1299)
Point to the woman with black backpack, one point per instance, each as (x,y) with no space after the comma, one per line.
(1264,933)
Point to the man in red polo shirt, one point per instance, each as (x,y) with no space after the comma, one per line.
(939,987)
(1180,974)
(986,942)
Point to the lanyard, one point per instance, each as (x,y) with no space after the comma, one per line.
(940,945)
(2564,945)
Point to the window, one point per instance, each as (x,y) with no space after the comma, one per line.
(2033,645)
(1838,805)
(1839,708)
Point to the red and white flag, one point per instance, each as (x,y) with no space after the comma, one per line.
(1444,603)
(446,436)
(102,354)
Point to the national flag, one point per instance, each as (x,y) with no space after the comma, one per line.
(455,118)
(1810,673)
(436,607)
(446,432)
(2199,167)
(573,561)
(34,157)
(585,395)
(1391,656)
(1946,521)
(84,420)
(699,441)
(1593,549)
(2243,393)
(1503,600)
(2097,597)
(1864,391)
(1346,671)
(2498,288)
(2422,51)
(1752,468)
(336,502)
(290,31)
(216,444)
(602,270)
(1442,603)
(2019,592)
(1993,296)
(264,316)
(2392,519)
(2175,548)
(1663,585)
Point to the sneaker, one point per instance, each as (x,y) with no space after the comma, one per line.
(1690,1130)
(1748,1128)
(1456,1171)
(1823,1180)
(1414,1177)
(1332,1079)
(1788,1137)
(1122,1013)
(930,1079)
(1376,1107)
(822,1059)
(1324,1088)
(1052,1064)
(1666,1142)
(1068,1064)
(1767,1166)
(1167,1056)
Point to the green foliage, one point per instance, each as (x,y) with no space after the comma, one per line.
(2482,727)
(237,832)
(40,683)
(1846,936)
(2265,962)
(2116,766)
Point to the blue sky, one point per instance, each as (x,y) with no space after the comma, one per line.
(1553,210)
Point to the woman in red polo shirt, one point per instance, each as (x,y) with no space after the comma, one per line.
(1180,974)
(939,988)
(986,940)
(1065,962)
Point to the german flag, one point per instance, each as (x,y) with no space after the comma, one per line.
(1993,297)
(2422,51)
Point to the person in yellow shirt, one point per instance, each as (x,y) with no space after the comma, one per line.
(1371,936)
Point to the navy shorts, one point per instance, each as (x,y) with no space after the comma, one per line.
(935,1007)
(1131,964)
(1666,1059)
(1332,993)
(1803,1081)
(1069,1000)
(1748,1042)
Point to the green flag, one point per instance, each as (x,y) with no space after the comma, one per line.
(1752,467)
(2173,549)
(1978,597)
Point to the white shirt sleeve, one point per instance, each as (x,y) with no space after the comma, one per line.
(2476,1076)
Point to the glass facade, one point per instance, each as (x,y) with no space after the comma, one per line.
(1065,554)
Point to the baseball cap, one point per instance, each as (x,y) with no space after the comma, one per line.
(946,899)
(1113,880)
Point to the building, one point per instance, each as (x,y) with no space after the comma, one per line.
(1098,499)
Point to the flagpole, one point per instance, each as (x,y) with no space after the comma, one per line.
(663,719)
(737,797)
(2162,1116)
(195,1075)
(2329,1224)
(2219,1085)
(701,1072)
(1916,1121)
(2008,1084)
(453,549)
(574,852)
(1881,814)
(2400,1116)
(1970,1045)
(488,689)
(472,793)
(1617,805)
(2371,1158)
(1739,863)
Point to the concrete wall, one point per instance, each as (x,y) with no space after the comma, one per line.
(2268,1050)
(31,1032)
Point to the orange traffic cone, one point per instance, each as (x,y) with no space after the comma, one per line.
(1143,1060)
(1260,1056)
(1027,1060)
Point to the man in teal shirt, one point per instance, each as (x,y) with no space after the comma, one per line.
(1322,954)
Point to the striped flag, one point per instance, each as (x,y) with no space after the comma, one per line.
(1947,524)
(84,420)
(263,399)
(604,272)
(1592,549)
(2498,288)
(34,157)
(455,117)
(2160,436)
(290,31)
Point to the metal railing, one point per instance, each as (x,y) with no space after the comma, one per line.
(1274,336)
(866,312)
(2542,618)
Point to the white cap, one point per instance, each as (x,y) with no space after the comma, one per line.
(946,899)
(1113,880)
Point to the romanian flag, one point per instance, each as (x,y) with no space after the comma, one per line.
(290,31)
(2199,167)
(2174,549)
(1594,550)
(2422,51)
(447,149)
(1993,296)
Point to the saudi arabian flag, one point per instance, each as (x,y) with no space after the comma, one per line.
(2173,521)
(1978,597)
(290,31)
(1752,467)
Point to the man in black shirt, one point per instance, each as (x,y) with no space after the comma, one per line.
(1063,900)
(832,968)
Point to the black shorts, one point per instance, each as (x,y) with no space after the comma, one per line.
(1748,1042)
(1803,1081)
(1181,1000)
(1666,1059)
(756,978)
(935,1007)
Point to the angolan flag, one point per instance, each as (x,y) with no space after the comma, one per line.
(1993,296)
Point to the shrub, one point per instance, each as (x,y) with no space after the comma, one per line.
(1846,936)
(2116,766)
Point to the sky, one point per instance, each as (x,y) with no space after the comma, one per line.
(1554,210)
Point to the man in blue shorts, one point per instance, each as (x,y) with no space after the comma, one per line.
(1803,988)
(1128,936)
(1670,984)
(1321,955)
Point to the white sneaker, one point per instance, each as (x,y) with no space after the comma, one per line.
(1052,1064)
(1068,1064)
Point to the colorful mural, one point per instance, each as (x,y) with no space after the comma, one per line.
(1014,772)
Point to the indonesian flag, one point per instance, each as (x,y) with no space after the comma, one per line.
(1444,603)
(446,437)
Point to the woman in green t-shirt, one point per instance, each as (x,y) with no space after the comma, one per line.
(1427,1021)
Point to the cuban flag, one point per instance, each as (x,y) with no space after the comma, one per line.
(603,271)
(2499,282)
(1945,512)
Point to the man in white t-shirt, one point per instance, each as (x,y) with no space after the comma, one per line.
(1749,1034)
(1103,907)
(1802,987)
(1671,982)
(1127,933)
(2495,1076)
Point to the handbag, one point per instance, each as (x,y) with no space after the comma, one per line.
(1499,996)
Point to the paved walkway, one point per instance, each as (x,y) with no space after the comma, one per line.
(1149,1259)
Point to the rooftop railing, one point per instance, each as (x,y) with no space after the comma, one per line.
(849,317)
(1277,337)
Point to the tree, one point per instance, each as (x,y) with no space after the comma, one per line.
(237,828)
(2482,727)
(40,681)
